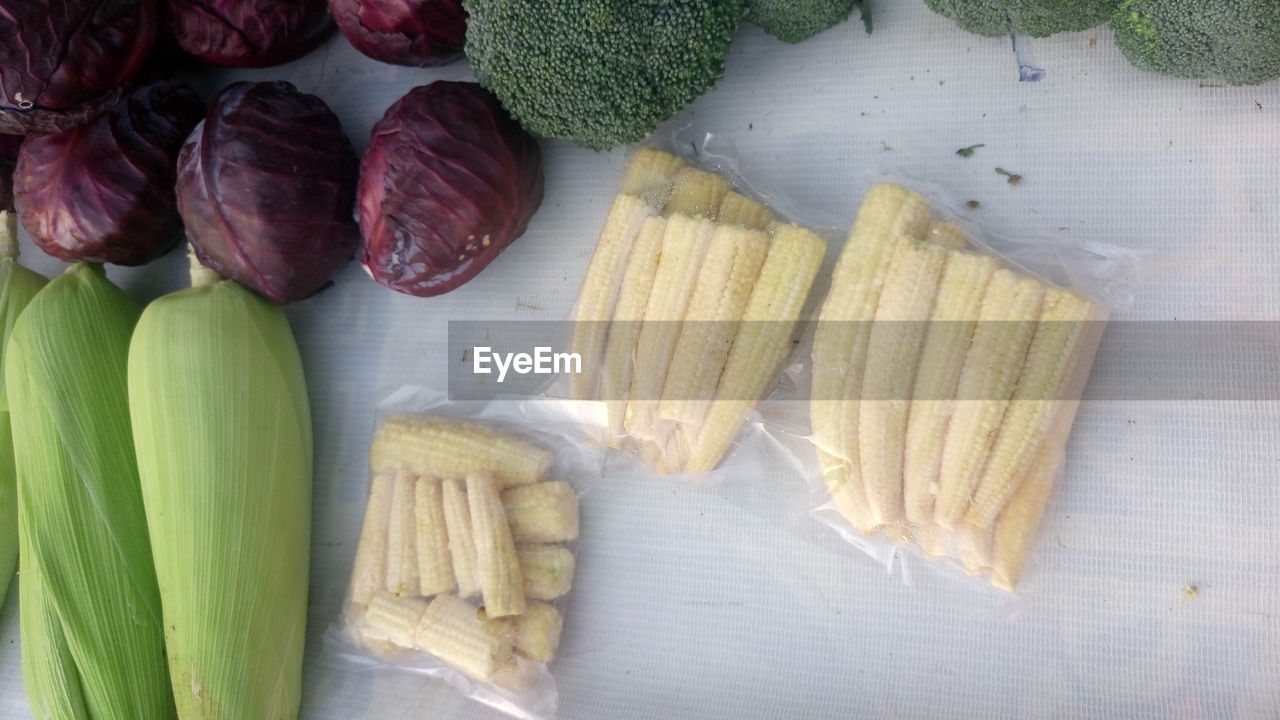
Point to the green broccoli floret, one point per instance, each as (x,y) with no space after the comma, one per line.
(1037,18)
(1237,41)
(599,73)
(796,20)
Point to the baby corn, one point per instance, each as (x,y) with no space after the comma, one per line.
(402,539)
(370,574)
(744,212)
(719,299)
(542,513)
(1006,323)
(462,543)
(620,352)
(763,339)
(955,316)
(696,193)
(435,567)
(538,632)
(839,345)
(497,566)
(1038,394)
(893,351)
(449,448)
(547,569)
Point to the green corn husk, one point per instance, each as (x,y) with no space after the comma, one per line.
(94,599)
(223,436)
(17,286)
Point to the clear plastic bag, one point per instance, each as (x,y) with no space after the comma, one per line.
(690,307)
(944,374)
(466,557)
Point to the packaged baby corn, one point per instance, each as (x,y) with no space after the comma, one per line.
(688,308)
(466,554)
(944,383)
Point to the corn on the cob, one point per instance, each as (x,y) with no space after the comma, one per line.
(762,341)
(955,316)
(538,632)
(393,618)
(648,175)
(81,506)
(452,449)
(947,235)
(49,674)
(462,543)
(547,570)
(1006,323)
(683,248)
(542,513)
(839,344)
(893,350)
(497,566)
(719,298)
(223,436)
(17,286)
(742,211)
(457,633)
(1015,530)
(369,576)
(620,351)
(696,193)
(600,288)
(1036,397)
(435,567)
(402,539)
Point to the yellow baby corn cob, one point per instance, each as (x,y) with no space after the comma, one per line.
(740,210)
(683,248)
(402,539)
(648,175)
(370,574)
(435,567)
(1015,530)
(955,316)
(1053,352)
(947,235)
(619,356)
(600,288)
(462,543)
(839,344)
(893,350)
(457,633)
(1006,323)
(696,193)
(547,569)
(538,632)
(497,566)
(646,185)
(719,299)
(452,449)
(542,513)
(393,618)
(763,339)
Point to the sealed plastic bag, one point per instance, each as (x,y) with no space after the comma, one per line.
(945,378)
(466,561)
(687,310)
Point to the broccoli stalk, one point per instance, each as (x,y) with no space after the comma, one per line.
(796,20)
(1233,40)
(1037,18)
(598,73)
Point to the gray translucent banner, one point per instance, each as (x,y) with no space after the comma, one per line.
(1137,360)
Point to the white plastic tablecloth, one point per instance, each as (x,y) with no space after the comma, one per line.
(687,605)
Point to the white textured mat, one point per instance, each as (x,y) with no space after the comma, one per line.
(688,606)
